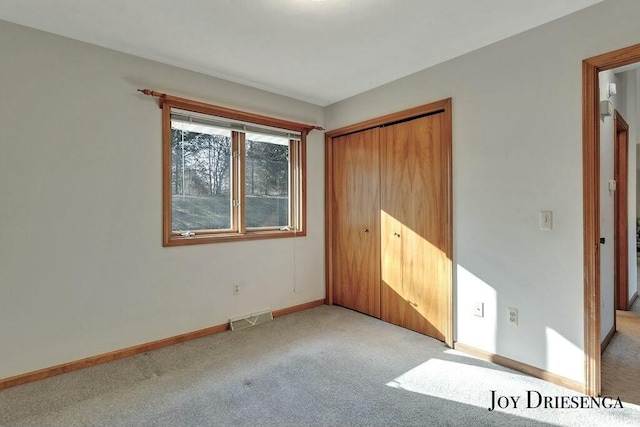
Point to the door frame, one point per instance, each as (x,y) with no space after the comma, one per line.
(591,204)
(442,106)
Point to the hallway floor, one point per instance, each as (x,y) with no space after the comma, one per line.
(621,359)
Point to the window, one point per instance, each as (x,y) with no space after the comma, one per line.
(230,175)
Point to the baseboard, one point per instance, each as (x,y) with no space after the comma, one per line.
(300,307)
(633,298)
(131,351)
(607,339)
(521,367)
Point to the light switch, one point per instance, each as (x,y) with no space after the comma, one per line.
(606,108)
(546,220)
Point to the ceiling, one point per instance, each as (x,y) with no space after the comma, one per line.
(319,51)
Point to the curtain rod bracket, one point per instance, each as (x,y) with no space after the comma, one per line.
(150,92)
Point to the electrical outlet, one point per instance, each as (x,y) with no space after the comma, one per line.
(236,289)
(512,314)
(478,309)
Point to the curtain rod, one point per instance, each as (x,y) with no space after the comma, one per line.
(186,104)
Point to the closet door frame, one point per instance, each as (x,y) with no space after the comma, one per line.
(438,107)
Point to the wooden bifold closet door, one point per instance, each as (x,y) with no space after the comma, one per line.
(355,204)
(389,225)
(415,266)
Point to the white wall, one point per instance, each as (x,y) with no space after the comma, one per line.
(637,107)
(627,105)
(625,102)
(607,219)
(517,149)
(637,147)
(637,144)
(82,267)
(637,181)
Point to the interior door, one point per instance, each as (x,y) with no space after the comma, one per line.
(356,205)
(416,269)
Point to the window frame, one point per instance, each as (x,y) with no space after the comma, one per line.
(238,231)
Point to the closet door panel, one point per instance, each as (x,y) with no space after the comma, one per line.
(356,234)
(427,272)
(394,211)
(391,265)
(414,191)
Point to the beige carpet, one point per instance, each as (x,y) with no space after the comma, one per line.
(327,366)
(621,359)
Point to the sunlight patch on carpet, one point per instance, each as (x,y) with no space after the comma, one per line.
(472,385)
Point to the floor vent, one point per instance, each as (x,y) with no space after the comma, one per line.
(250,320)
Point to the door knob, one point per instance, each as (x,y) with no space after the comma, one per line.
(366,230)
(396,234)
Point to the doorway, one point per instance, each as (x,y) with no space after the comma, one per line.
(591,205)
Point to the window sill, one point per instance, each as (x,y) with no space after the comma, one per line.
(177,240)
